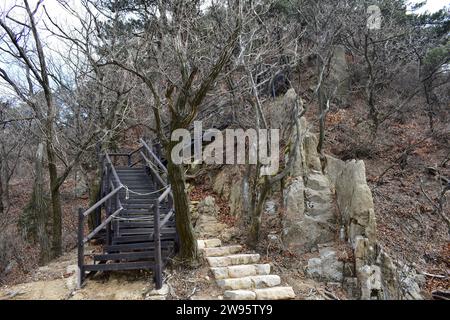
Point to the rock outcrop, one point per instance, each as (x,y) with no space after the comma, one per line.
(309,213)
(328,200)
(353,197)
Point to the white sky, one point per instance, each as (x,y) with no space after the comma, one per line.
(433,5)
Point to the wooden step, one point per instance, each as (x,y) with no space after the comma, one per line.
(127,256)
(165,230)
(170,235)
(125,234)
(136,246)
(147,224)
(119,266)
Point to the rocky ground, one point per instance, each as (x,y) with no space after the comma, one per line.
(57,281)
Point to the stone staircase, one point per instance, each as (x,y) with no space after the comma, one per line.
(240,275)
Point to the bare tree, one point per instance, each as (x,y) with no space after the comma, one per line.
(21,41)
(178,69)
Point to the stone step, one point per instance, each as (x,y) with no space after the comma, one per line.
(240,271)
(239,295)
(234,259)
(208,243)
(222,251)
(275,293)
(251,282)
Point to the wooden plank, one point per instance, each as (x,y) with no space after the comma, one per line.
(142,238)
(142,229)
(149,150)
(81,269)
(148,255)
(157,268)
(120,266)
(137,246)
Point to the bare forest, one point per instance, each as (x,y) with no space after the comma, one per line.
(92,90)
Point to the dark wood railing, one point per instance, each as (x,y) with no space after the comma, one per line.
(111,186)
(113,193)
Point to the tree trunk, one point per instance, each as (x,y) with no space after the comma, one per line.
(2,208)
(43,234)
(35,219)
(55,202)
(322,115)
(429,109)
(188,243)
(94,196)
(257,210)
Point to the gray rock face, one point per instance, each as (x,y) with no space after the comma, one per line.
(354,198)
(229,185)
(338,81)
(378,276)
(370,282)
(308,222)
(326,268)
(409,281)
(270,208)
(309,217)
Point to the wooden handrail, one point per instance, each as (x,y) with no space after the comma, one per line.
(118,154)
(135,151)
(135,163)
(101,226)
(111,181)
(166,218)
(102,200)
(163,167)
(157,242)
(165,194)
(161,180)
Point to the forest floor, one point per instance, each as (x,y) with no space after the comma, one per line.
(396,160)
(57,281)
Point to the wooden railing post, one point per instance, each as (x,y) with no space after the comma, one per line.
(157,241)
(116,207)
(101,194)
(108,204)
(170,201)
(80,248)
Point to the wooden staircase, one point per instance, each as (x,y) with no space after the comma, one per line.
(138,227)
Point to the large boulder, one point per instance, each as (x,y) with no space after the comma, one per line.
(309,217)
(339,81)
(354,198)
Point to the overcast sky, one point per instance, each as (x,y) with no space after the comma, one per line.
(433,5)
